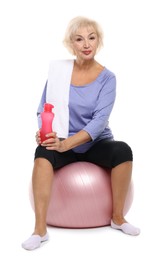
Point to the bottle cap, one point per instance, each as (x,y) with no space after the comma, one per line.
(48,107)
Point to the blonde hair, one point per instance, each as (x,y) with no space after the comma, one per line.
(79,22)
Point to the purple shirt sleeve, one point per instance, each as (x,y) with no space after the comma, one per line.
(41,105)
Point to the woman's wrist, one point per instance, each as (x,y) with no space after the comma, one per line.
(75,140)
(63,147)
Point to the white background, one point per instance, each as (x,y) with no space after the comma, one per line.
(31,34)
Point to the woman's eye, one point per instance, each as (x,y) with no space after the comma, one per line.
(78,39)
(92,38)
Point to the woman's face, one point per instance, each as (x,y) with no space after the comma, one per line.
(85,43)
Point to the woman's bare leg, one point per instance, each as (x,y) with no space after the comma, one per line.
(42,178)
(120,181)
(42,182)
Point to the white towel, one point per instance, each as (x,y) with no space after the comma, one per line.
(59,79)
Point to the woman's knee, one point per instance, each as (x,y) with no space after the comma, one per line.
(42,162)
(122,152)
(44,156)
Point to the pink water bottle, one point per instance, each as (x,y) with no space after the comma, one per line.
(47,117)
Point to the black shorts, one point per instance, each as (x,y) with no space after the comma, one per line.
(106,153)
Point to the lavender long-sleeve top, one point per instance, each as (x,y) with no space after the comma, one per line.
(89,108)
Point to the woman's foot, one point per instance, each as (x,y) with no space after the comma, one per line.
(34,241)
(126,228)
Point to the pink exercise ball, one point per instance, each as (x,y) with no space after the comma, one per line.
(81,197)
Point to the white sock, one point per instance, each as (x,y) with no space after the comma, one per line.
(126,228)
(34,241)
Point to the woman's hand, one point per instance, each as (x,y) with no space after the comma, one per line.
(53,142)
(37,137)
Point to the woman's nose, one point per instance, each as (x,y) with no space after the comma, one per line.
(86,44)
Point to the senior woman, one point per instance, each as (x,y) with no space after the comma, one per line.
(90,90)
